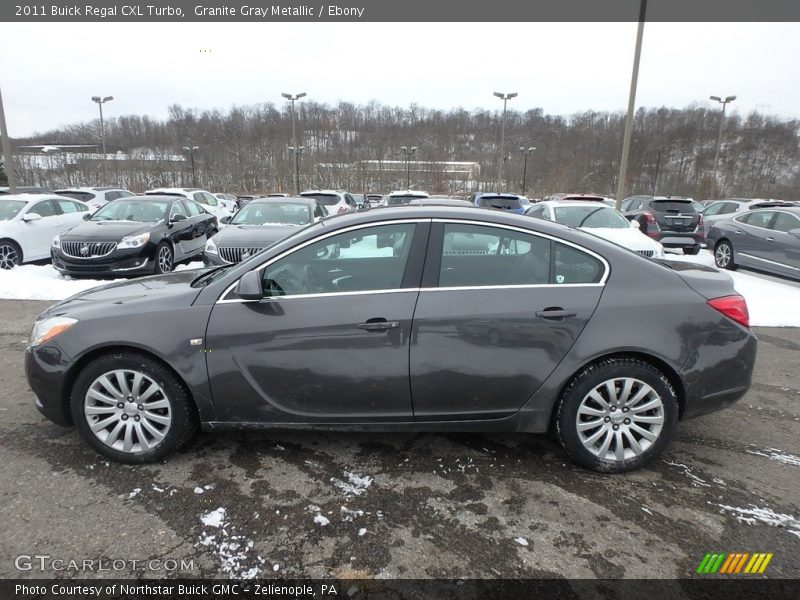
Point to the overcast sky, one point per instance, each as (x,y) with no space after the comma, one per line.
(49,71)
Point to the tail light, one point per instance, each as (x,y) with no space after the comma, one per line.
(342,209)
(734,307)
(649,219)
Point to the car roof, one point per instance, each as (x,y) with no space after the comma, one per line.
(329,192)
(417,193)
(32,197)
(792,208)
(555,203)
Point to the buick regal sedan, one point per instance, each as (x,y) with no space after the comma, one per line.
(355,323)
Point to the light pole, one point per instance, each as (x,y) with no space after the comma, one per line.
(100,101)
(8,161)
(190,150)
(526,152)
(626,138)
(294,147)
(721,127)
(505,98)
(407,152)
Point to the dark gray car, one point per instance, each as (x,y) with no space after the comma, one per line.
(374,321)
(258,224)
(767,239)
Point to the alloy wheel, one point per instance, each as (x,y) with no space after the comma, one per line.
(165,259)
(620,419)
(127,411)
(722,255)
(9,257)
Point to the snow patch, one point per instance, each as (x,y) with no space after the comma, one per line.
(134,493)
(754,514)
(355,485)
(232,551)
(521,541)
(214,519)
(696,481)
(777,455)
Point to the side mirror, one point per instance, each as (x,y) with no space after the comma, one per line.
(177,218)
(226,219)
(635,224)
(249,286)
(87,216)
(31,216)
(794,232)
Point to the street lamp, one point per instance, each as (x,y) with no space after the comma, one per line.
(407,152)
(721,126)
(294,147)
(190,150)
(505,98)
(526,152)
(100,101)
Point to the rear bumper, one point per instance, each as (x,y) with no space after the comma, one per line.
(46,368)
(677,239)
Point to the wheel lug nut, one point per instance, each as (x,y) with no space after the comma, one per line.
(120,405)
(616,427)
(136,418)
(613,408)
(140,407)
(626,409)
(124,417)
(607,419)
(627,421)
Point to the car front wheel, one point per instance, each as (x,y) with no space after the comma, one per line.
(723,256)
(164,258)
(617,415)
(131,408)
(10,254)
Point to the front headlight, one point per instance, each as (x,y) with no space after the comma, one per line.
(57,242)
(134,241)
(211,247)
(47,329)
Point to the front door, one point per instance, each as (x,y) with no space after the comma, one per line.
(329,341)
(38,235)
(498,310)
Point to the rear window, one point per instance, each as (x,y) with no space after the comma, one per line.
(682,206)
(398,200)
(326,199)
(499,202)
(83,196)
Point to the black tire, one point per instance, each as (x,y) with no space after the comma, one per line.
(10,254)
(183,424)
(693,250)
(723,256)
(165,249)
(591,377)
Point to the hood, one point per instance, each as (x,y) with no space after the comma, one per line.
(158,292)
(629,238)
(253,236)
(105,230)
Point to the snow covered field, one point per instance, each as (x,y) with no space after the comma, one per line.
(772,302)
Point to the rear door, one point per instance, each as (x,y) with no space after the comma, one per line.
(787,246)
(754,240)
(498,310)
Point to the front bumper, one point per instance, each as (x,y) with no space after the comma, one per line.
(120,263)
(46,368)
(213,260)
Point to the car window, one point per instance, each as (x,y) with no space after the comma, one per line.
(67,206)
(785,222)
(480,256)
(634,204)
(758,218)
(78,195)
(210,200)
(319,210)
(575,266)
(44,208)
(112,196)
(715,208)
(193,208)
(178,209)
(368,259)
(536,211)
(124,194)
(198,197)
(673,206)
(325,199)
(500,202)
(730,208)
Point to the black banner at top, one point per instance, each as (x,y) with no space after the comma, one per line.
(261,11)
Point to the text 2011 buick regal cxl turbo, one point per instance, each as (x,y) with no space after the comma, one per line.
(409,319)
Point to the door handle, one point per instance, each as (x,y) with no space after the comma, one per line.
(555,313)
(739,231)
(378,325)
(770,239)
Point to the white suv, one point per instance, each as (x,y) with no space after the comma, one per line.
(212,204)
(337,202)
(95,197)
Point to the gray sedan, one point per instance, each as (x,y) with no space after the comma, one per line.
(378,321)
(767,239)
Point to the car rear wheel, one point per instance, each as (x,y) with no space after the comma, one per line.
(164,258)
(10,254)
(723,256)
(693,250)
(617,415)
(131,408)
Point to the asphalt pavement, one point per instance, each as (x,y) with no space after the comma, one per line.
(297,504)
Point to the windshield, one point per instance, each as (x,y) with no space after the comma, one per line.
(326,199)
(273,213)
(683,206)
(591,216)
(10,209)
(501,202)
(141,211)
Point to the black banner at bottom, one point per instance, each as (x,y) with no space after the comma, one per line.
(400,589)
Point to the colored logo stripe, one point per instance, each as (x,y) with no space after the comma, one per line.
(734,563)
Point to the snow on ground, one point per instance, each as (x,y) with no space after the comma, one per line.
(772,302)
(43,282)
